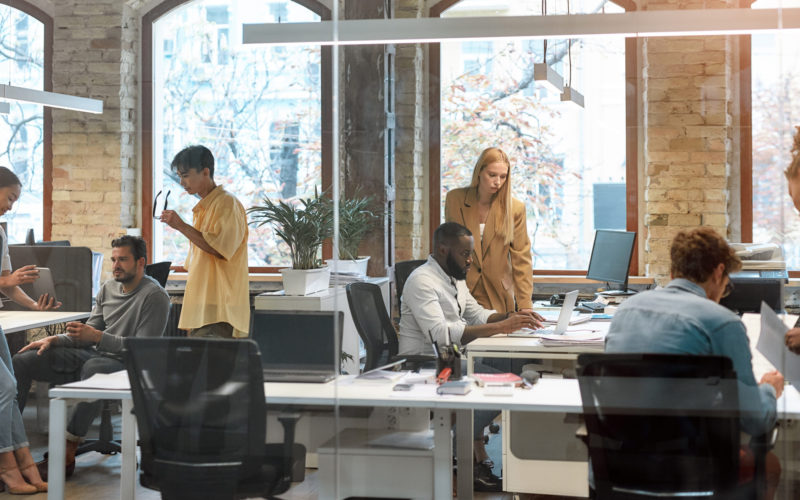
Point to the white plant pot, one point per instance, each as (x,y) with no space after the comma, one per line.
(358,265)
(305,281)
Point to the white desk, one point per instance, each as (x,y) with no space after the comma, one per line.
(546,396)
(503,346)
(16,321)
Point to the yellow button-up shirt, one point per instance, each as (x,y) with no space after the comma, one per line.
(217,290)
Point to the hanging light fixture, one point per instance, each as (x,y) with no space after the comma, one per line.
(569,94)
(542,72)
(50,99)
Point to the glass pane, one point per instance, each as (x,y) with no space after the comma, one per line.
(21,130)
(567,162)
(256,108)
(775,66)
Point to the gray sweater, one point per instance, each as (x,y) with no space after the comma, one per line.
(141,313)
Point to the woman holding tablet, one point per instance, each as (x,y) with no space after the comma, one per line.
(18,472)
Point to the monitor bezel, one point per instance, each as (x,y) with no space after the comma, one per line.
(624,283)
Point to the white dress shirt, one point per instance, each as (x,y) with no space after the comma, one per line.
(436,305)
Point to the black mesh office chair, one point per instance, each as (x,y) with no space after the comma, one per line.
(375,328)
(159,271)
(105,442)
(662,425)
(401,272)
(201,415)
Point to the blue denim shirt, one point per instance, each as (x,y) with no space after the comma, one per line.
(680,319)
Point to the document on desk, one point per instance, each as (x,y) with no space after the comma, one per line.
(771,344)
(574,339)
(111,381)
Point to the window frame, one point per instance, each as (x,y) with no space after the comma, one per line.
(631,138)
(47,114)
(326,136)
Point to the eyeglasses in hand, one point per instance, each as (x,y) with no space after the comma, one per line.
(155,202)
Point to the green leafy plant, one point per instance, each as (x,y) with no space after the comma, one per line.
(355,219)
(303,224)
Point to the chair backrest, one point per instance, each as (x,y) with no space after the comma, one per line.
(200,410)
(401,272)
(665,424)
(372,323)
(159,271)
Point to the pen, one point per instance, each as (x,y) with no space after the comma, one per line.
(434,344)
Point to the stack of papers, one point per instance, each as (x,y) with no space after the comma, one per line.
(574,339)
(343,278)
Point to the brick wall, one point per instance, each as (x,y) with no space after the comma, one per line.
(411,235)
(688,86)
(94,156)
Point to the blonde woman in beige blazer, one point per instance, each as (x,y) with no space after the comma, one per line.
(501,275)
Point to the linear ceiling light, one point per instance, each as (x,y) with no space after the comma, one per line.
(571,95)
(51,99)
(5,108)
(548,77)
(627,24)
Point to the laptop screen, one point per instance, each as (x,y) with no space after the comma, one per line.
(298,340)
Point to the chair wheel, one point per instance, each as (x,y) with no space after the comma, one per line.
(494,428)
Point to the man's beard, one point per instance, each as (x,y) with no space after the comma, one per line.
(454,270)
(125,277)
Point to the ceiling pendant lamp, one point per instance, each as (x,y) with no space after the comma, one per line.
(542,72)
(50,99)
(569,94)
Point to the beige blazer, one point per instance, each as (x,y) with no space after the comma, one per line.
(499,273)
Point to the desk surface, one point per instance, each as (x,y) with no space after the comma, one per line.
(15,321)
(548,395)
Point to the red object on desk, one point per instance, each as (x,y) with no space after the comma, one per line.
(444,375)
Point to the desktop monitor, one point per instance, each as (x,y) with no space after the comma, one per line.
(611,258)
(297,340)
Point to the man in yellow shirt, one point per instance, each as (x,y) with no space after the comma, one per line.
(216,302)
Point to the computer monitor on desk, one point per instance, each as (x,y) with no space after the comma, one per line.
(611,259)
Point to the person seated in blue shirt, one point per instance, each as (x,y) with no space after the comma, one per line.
(685,318)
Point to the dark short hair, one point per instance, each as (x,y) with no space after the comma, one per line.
(135,243)
(695,254)
(448,233)
(193,158)
(8,178)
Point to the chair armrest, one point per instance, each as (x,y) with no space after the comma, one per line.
(765,442)
(289,422)
(415,361)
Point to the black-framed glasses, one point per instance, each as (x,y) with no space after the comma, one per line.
(728,287)
(155,202)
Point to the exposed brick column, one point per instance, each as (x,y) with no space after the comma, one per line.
(94,167)
(411,153)
(688,87)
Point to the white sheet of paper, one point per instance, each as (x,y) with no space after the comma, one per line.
(771,345)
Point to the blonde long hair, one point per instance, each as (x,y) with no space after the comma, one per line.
(794,167)
(501,206)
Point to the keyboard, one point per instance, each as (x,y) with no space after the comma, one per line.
(594,306)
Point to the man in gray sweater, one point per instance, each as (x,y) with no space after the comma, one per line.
(130,305)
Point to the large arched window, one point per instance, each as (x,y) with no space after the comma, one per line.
(258,109)
(25,132)
(573,167)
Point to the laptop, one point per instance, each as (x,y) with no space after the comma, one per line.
(564,318)
(298,346)
(43,285)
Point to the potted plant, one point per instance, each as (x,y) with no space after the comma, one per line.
(303,224)
(355,219)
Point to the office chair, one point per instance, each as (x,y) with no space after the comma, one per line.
(401,272)
(159,271)
(201,415)
(648,438)
(375,327)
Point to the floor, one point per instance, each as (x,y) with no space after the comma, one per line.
(97,476)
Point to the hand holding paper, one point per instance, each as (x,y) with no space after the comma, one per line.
(792,340)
